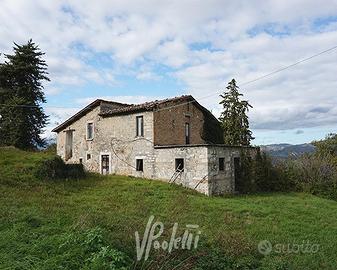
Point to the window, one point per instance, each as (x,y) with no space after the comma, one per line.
(221,164)
(88,156)
(180,164)
(90,131)
(81,160)
(140,126)
(187,133)
(139,165)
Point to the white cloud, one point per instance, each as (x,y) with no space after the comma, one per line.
(136,37)
(52,90)
(122,99)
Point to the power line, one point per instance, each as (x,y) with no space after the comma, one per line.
(213,94)
(37,106)
(290,66)
(258,78)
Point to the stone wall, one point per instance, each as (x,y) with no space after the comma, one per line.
(201,170)
(113,136)
(221,182)
(195,166)
(116,137)
(81,146)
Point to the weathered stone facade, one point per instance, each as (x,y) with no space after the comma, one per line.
(163,142)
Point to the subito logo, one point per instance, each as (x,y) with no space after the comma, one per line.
(264,247)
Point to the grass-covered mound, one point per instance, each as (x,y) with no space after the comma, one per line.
(91,223)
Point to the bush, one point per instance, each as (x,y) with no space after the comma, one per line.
(89,250)
(312,173)
(259,174)
(55,168)
(75,171)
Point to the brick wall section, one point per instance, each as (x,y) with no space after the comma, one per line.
(169,124)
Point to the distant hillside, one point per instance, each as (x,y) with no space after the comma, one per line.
(284,150)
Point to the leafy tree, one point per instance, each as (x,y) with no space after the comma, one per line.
(327,145)
(234,117)
(22,118)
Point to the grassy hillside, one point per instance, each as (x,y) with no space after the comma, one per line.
(53,225)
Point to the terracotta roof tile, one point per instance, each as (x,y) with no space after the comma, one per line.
(147,106)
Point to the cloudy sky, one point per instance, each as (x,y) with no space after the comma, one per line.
(134,51)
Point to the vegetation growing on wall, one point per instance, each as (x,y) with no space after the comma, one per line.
(212,131)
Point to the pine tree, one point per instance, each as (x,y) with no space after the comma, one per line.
(22,119)
(234,117)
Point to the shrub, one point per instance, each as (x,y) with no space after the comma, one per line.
(313,173)
(107,258)
(259,174)
(89,250)
(55,168)
(75,171)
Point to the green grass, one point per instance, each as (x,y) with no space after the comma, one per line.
(36,216)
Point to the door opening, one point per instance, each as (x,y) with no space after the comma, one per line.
(105,166)
(238,181)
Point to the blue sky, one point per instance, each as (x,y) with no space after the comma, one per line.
(138,51)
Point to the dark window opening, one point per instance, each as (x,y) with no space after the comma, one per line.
(90,131)
(81,160)
(221,164)
(139,165)
(188,106)
(140,126)
(179,164)
(187,133)
(88,156)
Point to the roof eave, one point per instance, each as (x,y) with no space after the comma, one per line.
(73,118)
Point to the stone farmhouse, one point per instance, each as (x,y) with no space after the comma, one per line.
(175,140)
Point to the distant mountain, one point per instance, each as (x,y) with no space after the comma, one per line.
(284,150)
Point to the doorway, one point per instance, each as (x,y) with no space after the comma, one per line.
(105,164)
(238,181)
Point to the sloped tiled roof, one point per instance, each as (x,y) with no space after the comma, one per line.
(98,102)
(147,106)
(110,108)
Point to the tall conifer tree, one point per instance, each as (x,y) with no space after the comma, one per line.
(234,117)
(22,118)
